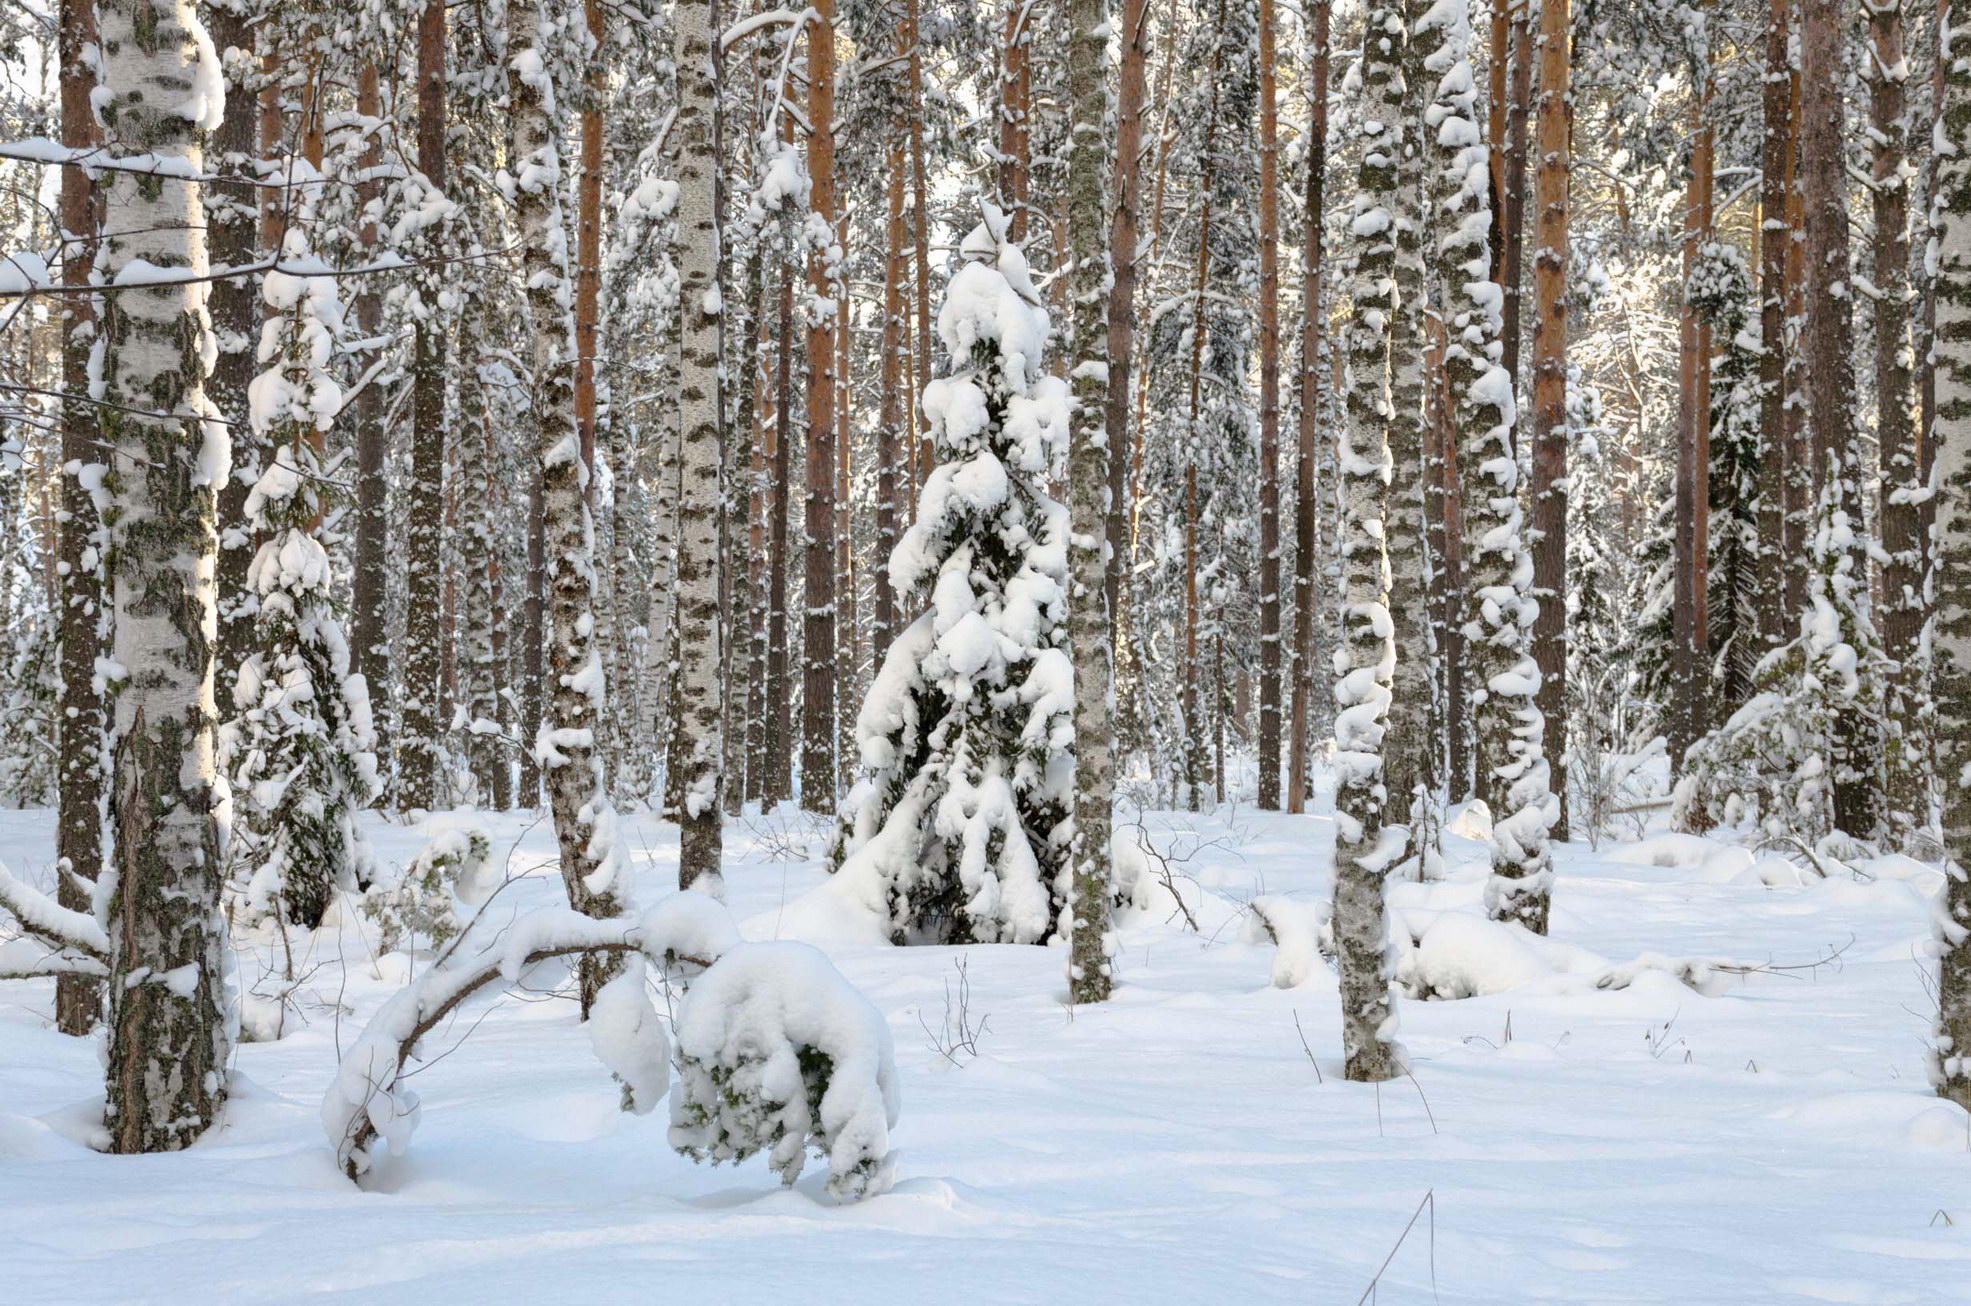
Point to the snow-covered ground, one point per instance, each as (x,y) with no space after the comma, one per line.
(1772,1141)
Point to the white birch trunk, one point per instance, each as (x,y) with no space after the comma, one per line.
(1365,848)
(565,747)
(1951,579)
(697,735)
(169,1039)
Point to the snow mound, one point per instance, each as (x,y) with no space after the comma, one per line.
(1297,928)
(1665,850)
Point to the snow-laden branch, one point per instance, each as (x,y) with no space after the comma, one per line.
(745,27)
(776,1052)
(58,941)
(367,1100)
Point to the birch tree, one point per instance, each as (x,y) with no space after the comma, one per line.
(1951,619)
(1366,846)
(697,740)
(565,747)
(1512,777)
(1090,623)
(169,1036)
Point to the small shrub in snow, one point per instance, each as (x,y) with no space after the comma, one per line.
(957,832)
(422,903)
(777,1052)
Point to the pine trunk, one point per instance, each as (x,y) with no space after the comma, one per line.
(1906,793)
(890,435)
(232,214)
(421,752)
(79,821)
(165,1065)
(778,784)
(1828,359)
(1549,411)
(818,625)
(1690,641)
(1775,171)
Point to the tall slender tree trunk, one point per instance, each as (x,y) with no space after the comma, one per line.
(824,272)
(79,820)
(1775,170)
(1799,458)
(478,558)
(1828,360)
(697,738)
(1549,434)
(1951,635)
(578,792)
(1195,733)
(421,751)
(1015,89)
(1126,197)
(846,627)
(1511,771)
(1690,643)
(233,214)
(1361,919)
(1512,207)
(779,784)
(1313,350)
(1269,415)
(1906,793)
(890,433)
(1408,749)
(920,216)
(1090,623)
(165,1066)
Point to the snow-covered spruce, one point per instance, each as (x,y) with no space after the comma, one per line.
(422,903)
(1776,764)
(955,832)
(1511,765)
(302,749)
(1950,633)
(1365,847)
(775,1050)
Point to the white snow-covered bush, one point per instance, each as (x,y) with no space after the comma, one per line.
(778,1053)
(957,830)
(775,1050)
(422,903)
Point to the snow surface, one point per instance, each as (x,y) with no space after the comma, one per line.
(1774,1142)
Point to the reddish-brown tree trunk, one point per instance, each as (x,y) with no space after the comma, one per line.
(1690,662)
(1549,416)
(818,636)
(1775,164)
(79,820)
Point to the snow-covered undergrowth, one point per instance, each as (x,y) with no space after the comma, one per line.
(1761,1132)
